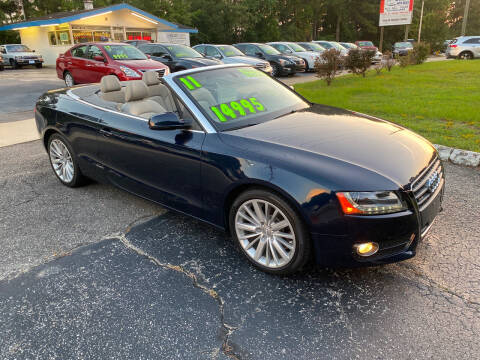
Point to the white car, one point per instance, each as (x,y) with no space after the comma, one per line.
(291,48)
(17,55)
(350,46)
(332,45)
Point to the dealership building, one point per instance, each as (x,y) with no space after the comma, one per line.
(53,34)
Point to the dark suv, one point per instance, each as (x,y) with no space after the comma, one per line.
(282,64)
(177,57)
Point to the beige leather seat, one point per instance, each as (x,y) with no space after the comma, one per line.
(137,102)
(158,91)
(112,89)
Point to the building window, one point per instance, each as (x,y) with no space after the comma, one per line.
(87,35)
(140,35)
(59,37)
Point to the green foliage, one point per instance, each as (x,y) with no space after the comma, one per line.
(359,61)
(420,53)
(418,97)
(328,65)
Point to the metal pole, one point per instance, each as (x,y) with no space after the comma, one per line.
(465,17)
(407,27)
(381,39)
(421,20)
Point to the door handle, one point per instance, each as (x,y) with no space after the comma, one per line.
(105,132)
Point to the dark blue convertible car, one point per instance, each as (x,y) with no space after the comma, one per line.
(231,146)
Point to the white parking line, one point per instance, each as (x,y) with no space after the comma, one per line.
(18,132)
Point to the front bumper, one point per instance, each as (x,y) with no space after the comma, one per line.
(396,234)
(29,61)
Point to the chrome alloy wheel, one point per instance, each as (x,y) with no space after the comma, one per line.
(61,160)
(69,80)
(265,233)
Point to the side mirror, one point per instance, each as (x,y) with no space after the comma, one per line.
(148,56)
(167,57)
(288,51)
(33,50)
(259,54)
(167,121)
(98,58)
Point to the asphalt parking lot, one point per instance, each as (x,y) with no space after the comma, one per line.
(94,272)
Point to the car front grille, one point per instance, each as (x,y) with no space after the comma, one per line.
(160,72)
(29,57)
(427,183)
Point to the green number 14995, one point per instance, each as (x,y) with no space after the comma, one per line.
(233,109)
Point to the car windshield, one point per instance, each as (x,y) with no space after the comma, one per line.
(229,50)
(326,45)
(296,47)
(365,43)
(267,49)
(18,48)
(337,46)
(404,45)
(237,97)
(124,52)
(182,51)
(313,47)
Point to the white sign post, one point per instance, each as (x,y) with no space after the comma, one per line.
(396,12)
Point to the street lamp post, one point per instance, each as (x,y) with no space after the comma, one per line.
(465,17)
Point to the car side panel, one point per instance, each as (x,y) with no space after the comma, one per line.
(79,123)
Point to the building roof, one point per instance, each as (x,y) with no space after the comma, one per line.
(68,16)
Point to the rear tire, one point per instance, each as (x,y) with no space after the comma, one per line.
(69,80)
(466,55)
(64,161)
(256,217)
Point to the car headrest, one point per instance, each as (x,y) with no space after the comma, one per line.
(110,83)
(136,90)
(151,78)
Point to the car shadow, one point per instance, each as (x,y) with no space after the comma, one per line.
(289,316)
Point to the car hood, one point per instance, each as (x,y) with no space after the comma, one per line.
(202,61)
(374,48)
(375,145)
(141,64)
(244,60)
(23,53)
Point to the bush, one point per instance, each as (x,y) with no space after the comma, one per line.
(389,61)
(359,61)
(420,53)
(379,67)
(405,60)
(328,64)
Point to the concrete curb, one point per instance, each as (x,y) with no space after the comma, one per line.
(458,156)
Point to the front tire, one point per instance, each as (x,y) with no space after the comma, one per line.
(63,161)
(269,232)
(14,64)
(69,80)
(277,70)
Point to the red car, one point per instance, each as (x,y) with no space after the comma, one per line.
(366,45)
(89,62)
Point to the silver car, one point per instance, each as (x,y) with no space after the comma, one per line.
(464,47)
(229,54)
(332,45)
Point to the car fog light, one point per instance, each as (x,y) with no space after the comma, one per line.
(366,249)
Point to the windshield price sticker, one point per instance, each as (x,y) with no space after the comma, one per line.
(233,109)
(190,82)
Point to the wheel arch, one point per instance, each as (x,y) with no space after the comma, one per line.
(47,134)
(234,192)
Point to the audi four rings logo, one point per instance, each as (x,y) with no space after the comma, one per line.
(433,182)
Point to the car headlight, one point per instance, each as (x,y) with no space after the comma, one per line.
(129,72)
(370,203)
(284,62)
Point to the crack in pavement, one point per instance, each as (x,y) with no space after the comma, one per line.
(405,270)
(227,330)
